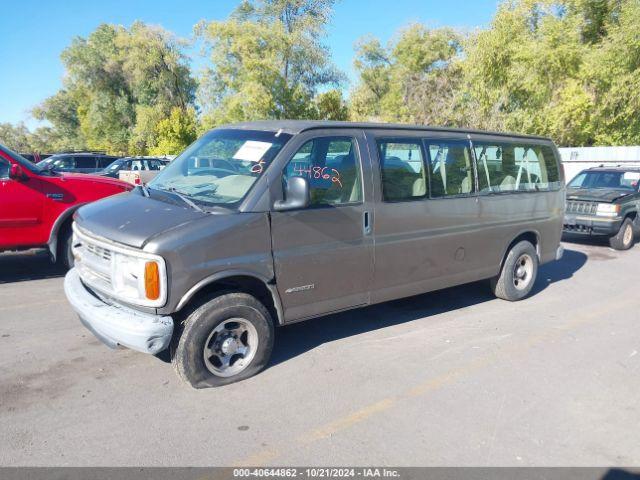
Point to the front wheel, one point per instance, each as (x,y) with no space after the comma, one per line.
(65,253)
(518,273)
(624,239)
(227,339)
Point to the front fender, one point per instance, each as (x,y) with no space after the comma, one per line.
(216,277)
(52,244)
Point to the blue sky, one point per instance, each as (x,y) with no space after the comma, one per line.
(35,32)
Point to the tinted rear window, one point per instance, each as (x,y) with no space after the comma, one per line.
(85,162)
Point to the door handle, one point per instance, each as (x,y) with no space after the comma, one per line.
(366,223)
(55,196)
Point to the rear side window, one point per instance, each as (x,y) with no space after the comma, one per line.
(137,165)
(85,162)
(451,168)
(505,167)
(154,165)
(4,168)
(104,162)
(402,169)
(332,166)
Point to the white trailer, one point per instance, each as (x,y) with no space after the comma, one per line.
(576,159)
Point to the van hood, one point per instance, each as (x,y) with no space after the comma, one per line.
(132,219)
(606,195)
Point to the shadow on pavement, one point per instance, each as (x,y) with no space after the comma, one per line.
(31,265)
(553,272)
(621,474)
(301,337)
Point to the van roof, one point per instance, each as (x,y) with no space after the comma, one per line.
(298,126)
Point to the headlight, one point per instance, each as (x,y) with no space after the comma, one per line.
(139,279)
(608,210)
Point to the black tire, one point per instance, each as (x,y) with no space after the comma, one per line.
(188,348)
(625,237)
(65,255)
(516,279)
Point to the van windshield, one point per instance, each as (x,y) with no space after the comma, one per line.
(220,167)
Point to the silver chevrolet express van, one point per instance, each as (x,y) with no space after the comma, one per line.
(258,225)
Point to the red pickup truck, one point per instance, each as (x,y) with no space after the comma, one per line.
(36,204)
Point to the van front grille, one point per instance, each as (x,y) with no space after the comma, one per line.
(99,252)
(587,208)
(93,262)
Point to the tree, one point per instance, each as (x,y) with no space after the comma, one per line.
(267,61)
(176,132)
(563,68)
(330,105)
(119,84)
(16,137)
(414,79)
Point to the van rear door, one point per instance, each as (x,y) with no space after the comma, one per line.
(426,219)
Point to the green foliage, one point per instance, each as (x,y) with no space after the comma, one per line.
(267,61)
(414,79)
(16,137)
(330,105)
(21,139)
(119,84)
(176,132)
(569,69)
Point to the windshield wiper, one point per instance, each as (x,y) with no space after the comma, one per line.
(185,199)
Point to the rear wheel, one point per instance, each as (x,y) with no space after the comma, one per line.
(227,339)
(624,239)
(518,273)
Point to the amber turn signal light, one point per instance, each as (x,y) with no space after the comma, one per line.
(152,280)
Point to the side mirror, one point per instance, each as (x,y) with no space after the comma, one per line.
(16,173)
(296,195)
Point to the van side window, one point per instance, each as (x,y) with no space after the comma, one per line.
(451,168)
(404,176)
(509,167)
(549,163)
(332,166)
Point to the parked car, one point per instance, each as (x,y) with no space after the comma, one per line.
(150,167)
(36,204)
(88,162)
(35,157)
(605,202)
(259,225)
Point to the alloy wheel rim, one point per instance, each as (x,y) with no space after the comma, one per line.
(628,235)
(230,347)
(523,272)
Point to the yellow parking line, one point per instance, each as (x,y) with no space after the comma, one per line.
(619,302)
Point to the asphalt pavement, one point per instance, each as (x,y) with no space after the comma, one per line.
(454,377)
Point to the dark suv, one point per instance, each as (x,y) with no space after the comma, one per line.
(605,202)
(89,162)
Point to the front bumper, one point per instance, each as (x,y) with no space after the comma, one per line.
(115,324)
(591,225)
